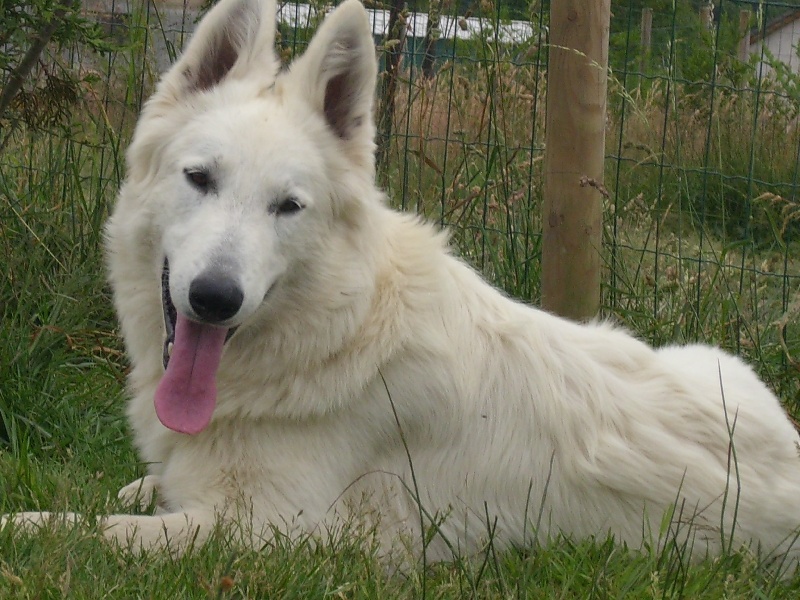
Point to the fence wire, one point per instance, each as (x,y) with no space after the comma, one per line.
(702,146)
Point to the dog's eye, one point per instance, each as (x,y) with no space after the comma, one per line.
(198,178)
(288,206)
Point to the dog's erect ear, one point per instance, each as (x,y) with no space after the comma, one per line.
(338,71)
(235,39)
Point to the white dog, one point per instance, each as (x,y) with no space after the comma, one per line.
(327,358)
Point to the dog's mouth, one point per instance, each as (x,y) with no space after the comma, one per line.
(171,316)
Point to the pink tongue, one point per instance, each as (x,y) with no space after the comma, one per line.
(186,396)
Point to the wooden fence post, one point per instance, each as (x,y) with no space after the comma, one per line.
(706,13)
(393,55)
(431,38)
(574,156)
(647,31)
(744,35)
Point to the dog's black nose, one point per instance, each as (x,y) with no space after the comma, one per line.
(215,298)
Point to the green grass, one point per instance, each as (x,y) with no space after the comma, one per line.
(474,137)
(74,564)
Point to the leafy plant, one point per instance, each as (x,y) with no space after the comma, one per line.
(39,88)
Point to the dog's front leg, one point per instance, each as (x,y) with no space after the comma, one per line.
(173,532)
(29,521)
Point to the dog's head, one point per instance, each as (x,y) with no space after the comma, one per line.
(236,174)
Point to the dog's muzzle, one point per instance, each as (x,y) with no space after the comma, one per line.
(171,315)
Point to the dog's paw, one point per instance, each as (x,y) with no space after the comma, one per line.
(141,493)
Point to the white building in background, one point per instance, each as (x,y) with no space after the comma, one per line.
(176,19)
(781,37)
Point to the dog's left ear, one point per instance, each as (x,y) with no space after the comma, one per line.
(338,72)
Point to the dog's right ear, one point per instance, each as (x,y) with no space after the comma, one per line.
(235,39)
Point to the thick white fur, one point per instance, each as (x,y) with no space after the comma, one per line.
(381,373)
